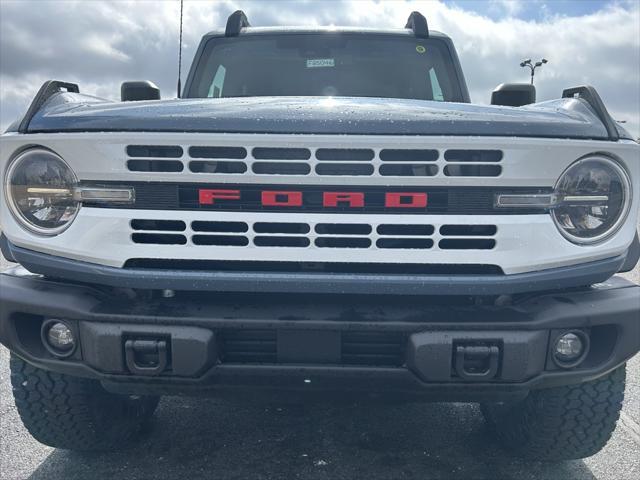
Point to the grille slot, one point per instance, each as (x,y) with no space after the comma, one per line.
(264,227)
(154,151)
(221,227)
(342,242)
(345,169)
(277,241)
(343,228)
(391,229)
(203,166)
(407,155)
(268,153)
(154,166)
(468,230)
(221,240)
(159,238)
(466,244)
(276,168)
(411,170)
(410,243)
(218,152)
(159,225)
(480,156)
(472,170)
(345,154)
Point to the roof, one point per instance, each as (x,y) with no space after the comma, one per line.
(324,29)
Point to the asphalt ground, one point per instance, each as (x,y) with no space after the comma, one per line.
(197,438)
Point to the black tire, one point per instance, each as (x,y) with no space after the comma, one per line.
(76,413)
(560,423)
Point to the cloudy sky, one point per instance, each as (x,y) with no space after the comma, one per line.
(98,44)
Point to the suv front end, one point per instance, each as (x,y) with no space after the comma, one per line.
(323,246)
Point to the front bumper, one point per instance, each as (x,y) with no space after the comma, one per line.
(256,279)
(314,343)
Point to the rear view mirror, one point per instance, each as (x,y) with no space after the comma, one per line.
(513,94)
(142,90)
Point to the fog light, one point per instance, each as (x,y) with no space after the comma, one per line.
(59,337)
(569,348)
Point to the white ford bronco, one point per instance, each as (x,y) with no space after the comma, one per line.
(322,213)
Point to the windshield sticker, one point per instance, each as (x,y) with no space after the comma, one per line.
(320,62)
(420,49)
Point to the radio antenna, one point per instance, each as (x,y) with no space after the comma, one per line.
(180,51)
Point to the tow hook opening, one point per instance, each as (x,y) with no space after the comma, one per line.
(146,357)
(476,362)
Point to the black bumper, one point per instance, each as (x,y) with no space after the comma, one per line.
(381,345)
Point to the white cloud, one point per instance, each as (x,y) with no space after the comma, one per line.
(511,7)
(99,44)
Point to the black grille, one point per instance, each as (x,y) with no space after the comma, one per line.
(357,348)
(304,267)
(249,346)
(441,200)
(394,162)
(373,348)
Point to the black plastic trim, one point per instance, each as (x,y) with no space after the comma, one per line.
(48,89)
(476,200)
(316,282)
(590,95)
(235,23)
(4,248)
(418,24)
(632,257)
(525,324)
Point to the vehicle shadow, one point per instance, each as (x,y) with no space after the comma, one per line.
(195,438)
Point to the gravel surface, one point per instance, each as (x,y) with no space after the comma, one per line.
(193,438)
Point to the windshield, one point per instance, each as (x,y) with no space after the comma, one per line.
(352,65)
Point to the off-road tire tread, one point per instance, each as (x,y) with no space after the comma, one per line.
(561,423)
(75,413)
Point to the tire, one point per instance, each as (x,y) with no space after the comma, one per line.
(76,413)
(560,423)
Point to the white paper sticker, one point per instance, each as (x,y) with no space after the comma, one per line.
(320,62)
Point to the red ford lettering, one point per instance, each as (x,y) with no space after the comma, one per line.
(352,199)
(281,199)
(405,200)
(209,197)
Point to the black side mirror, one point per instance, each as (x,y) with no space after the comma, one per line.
(134,91)
(513,94)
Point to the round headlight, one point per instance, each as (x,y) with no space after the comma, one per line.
(39,188)
(594,197)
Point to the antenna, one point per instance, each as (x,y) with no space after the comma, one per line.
(180,51)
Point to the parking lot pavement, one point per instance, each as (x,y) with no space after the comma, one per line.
(193,438)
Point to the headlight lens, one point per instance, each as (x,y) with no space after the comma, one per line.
(594,198)
(39,187)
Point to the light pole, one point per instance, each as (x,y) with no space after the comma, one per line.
(532,66)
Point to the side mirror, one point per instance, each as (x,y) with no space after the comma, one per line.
(513,94)
(135,91)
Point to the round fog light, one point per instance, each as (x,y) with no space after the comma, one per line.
(569,349)
(59,337)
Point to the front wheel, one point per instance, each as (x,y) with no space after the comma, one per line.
(75,413)
(560,423)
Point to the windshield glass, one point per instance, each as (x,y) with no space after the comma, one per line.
(352,65)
